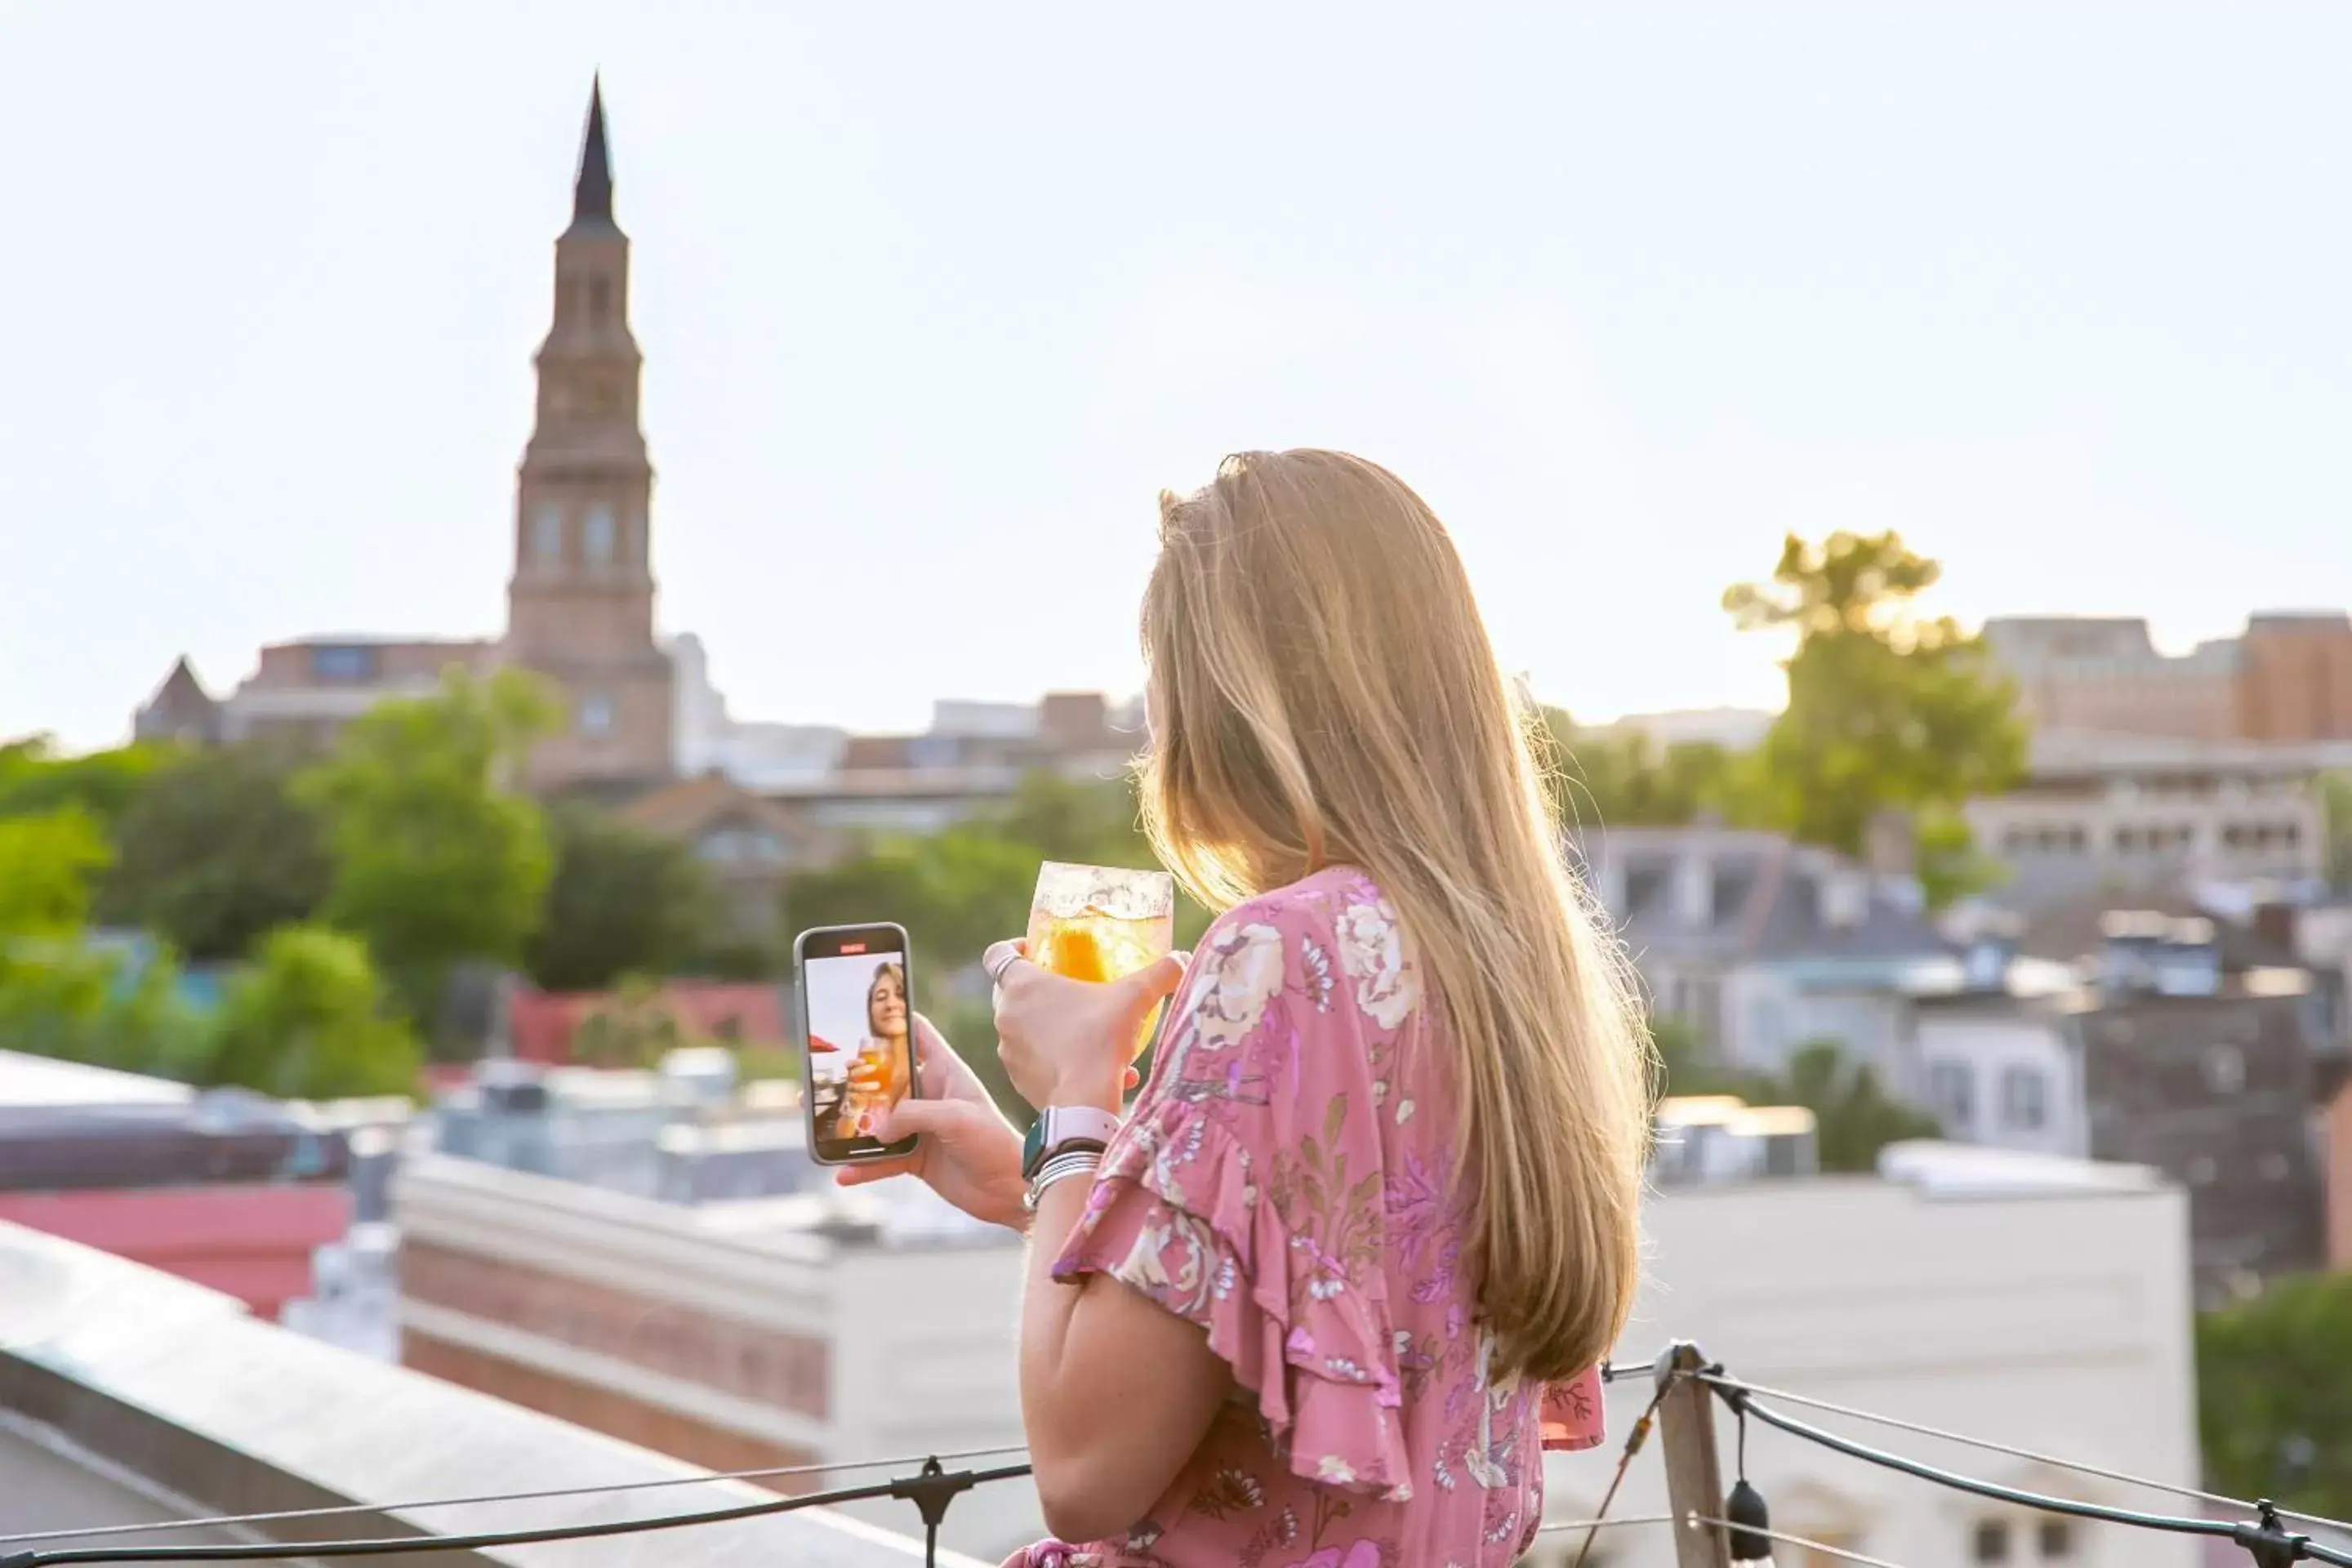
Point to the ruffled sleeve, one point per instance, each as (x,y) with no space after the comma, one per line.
(1572,1413)
(1265,1234)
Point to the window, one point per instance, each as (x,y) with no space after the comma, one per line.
(547,534)
(600,298)
(595,714)
(2023,1100)
(1991,1543)
(596,535)
(1645,886)
(2225,1069)
(2056,1538)
(343,662)
(1951,1088)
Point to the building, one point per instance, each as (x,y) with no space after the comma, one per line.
(134,1397)
(2032,1300)
(2286,679)
(579,606)
(227,1189)
(750,843)
(580,602)
(1998,1055)
(2123,815)
(1760,944)
(754,756)
(2104,676)
(818,1327)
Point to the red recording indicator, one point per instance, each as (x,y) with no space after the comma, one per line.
(848,947)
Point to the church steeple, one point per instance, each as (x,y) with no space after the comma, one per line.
(591,194)
(579,606)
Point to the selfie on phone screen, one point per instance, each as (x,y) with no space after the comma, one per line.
(860,1056)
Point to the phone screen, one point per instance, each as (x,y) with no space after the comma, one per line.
(857,1019)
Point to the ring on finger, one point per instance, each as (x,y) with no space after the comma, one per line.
(996,974)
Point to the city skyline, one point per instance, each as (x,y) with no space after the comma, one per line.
(919,353)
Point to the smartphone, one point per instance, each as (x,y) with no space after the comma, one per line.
(857,1056)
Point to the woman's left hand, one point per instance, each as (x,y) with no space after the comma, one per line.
(1068,1042)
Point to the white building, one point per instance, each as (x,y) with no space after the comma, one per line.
(2042,1302)
(2039,1303)
(761,757)
(1761,945)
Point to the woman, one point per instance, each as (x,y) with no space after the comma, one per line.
(878,1073)
(1347,1264)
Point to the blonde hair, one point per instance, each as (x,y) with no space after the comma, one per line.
(1323,693)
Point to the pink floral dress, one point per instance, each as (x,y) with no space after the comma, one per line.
(1286,1182)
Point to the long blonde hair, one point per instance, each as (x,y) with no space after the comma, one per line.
(1324,692)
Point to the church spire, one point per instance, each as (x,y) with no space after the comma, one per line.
(592,194)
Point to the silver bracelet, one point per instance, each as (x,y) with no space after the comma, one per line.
(1071,1163)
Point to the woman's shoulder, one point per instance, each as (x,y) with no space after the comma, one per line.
(1332,936)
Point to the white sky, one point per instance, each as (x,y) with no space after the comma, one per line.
(934,296)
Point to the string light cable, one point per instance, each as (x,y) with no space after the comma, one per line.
(1848,1554)
(2272,1545)
(929,1490)
(1633,1441)
(770,1473)
(1718,1379)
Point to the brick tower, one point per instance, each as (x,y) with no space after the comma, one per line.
(579,606)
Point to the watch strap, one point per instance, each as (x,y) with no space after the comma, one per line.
(1061,1127)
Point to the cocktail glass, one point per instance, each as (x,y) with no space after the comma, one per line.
(1102,922)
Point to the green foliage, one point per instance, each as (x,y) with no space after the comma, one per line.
(310,1020)
(2336,823)
(217,852)
(2271,1376)
(1885,708)
(61,998)
(1621,779)
(1854,1118)
(46,863)
(620,902)
(35,780)
(437,860)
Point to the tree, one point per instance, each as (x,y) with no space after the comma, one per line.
(60,997)
(1887,709)
(1619,778)
(1853,1118)
(35,780)
(2270,1373)
(46,864)
(310,1020)
(217,852)
(437,860)
(2335,826)
(620,902)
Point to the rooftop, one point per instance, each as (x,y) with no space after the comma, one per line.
(137,1397)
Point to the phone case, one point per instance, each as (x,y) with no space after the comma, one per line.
(813,1044)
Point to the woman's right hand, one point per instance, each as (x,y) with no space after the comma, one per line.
(966,1151)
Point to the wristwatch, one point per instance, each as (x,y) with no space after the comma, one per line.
(1065,1130)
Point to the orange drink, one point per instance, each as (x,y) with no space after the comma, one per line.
(1099,922)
